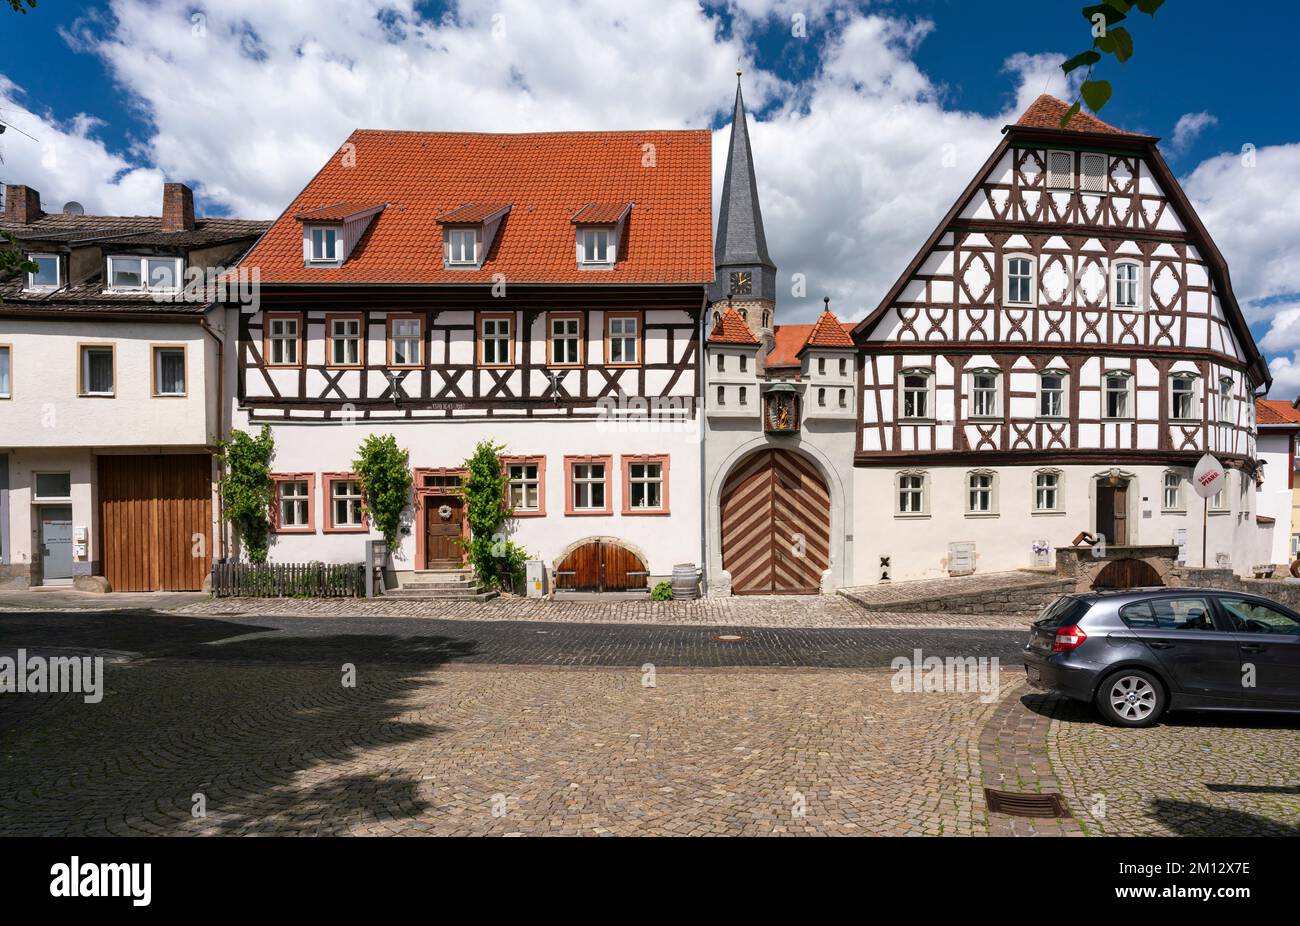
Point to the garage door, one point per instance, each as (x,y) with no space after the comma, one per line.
(600,566)
(776,525)
(156,521)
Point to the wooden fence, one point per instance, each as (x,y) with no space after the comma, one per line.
(289,580)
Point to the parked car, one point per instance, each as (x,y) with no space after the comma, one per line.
(1136,653)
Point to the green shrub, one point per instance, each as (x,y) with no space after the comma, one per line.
(384,471)
(499,562)
(662,592)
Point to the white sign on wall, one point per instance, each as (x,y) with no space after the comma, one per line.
(1208,477)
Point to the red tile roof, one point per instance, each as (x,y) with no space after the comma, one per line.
(471,213)
(829,332)
(1046,112)
(1276,411)
(791,340)
(600,213)
(730,328)
(336,212)
(547,177)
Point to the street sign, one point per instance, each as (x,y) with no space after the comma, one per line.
(1208,477)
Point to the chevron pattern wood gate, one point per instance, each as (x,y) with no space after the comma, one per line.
(776,525)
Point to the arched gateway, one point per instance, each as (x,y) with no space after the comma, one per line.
(776,525)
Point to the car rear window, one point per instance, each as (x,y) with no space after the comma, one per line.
(1168,614)
(1063,612)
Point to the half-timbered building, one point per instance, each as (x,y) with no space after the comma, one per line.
(1055,359)
(540,291)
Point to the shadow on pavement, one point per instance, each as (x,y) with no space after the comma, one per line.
(1188,818)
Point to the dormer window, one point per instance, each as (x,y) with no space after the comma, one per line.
(324,243)
(47,272)
(128,274)
(597,246)
(461,246)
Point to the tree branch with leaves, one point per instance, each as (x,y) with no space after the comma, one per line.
(1107,39)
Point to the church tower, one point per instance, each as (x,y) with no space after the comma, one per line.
(744,271)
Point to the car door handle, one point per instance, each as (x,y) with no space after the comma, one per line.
(1251,648)
(1159,644)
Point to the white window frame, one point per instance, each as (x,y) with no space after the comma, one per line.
(1063,392)
(498,337)
(973,391)
(916,484)
(1177,502)
(36,486)
(629,341)
(904,390)
(158,351)
(353,503)
(519,482)
(590,480)
(291,340)
(1226,400)
(988,486)
(1084,185)
(1040,488)
(1059,184)
(648,481)
(294,502)
(1007,276)
(84,359)
(1138,303)
(143,261)
(334,339)
(569,337)
(33,286)
(317,237)
(1175,380)
(1106,392)
(454,239)
(7,384)
(408,341)
(587,235)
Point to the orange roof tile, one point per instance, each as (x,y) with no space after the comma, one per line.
(471,213)
(336,212)
(730,328)
(829,332)
(1046,112)
(1276,411)
(792,339)
(547,177)
(600,213)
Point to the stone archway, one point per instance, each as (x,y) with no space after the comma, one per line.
(601,564)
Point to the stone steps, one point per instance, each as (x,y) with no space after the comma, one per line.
(442,585)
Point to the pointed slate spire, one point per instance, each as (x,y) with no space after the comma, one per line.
(741,242)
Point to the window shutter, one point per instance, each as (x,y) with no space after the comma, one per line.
(1060,170)
(1094,173)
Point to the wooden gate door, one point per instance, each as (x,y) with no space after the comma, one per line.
(1127,573)
(441,551)
(776,525)
(601,566)
(156,521)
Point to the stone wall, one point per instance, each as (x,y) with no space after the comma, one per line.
(1022,600)
(1288,593)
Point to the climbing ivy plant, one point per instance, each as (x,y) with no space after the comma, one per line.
(1109,39)
(384,471)
(498,562)
(245,487)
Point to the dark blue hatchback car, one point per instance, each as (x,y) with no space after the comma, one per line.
(1136,653)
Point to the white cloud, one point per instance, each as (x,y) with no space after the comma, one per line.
(1286,376)
(1284,333)
(1190,125)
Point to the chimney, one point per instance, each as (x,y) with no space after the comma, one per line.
(22,204)
(178,208)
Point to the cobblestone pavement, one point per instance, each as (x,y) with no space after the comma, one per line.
(1190,775)
(489,750)
(814,611)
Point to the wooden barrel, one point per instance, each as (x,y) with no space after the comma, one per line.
(686,582)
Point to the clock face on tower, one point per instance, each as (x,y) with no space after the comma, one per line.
(742,282)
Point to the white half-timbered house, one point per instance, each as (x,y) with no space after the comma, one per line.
(1055,359)
(541,291)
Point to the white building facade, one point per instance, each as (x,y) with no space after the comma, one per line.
(1055,360)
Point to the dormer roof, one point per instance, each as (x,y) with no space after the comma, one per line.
(429,179)
(601,214)
(1046,112)
(730,328)
(828,332)
(340,212)
(473,213)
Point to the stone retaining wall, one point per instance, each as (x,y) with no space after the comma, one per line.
(1020,600)
(1288,593)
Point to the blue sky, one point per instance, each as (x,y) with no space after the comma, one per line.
(247,99)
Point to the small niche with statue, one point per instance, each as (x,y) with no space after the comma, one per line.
(781,410)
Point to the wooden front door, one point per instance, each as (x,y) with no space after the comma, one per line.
(1112,512)
(444,519)
(1128,573)
(601,566)
(156,521)
(776,525)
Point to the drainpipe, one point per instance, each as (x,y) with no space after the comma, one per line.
(220,344)
(701,367)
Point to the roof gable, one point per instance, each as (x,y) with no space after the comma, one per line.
(730,328)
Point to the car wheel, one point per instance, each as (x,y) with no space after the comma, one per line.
(1131,698)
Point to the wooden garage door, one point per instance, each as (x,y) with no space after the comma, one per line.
(151,509)
(601,566)
(776,525)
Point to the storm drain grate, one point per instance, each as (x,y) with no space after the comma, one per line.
(1025,805)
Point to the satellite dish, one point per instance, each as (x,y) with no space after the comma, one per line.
(73,208)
